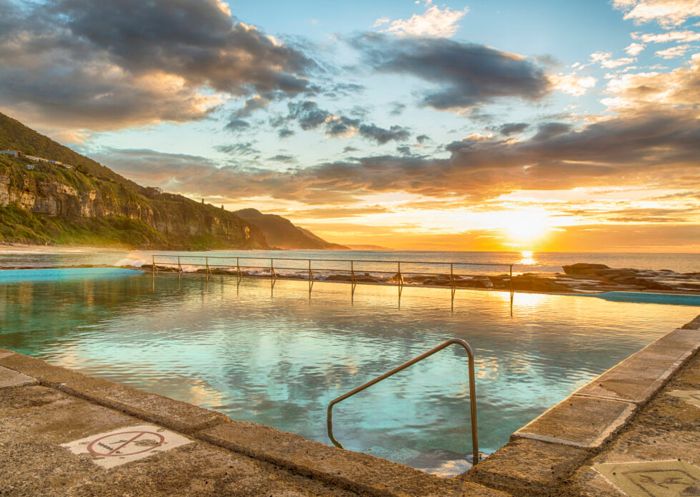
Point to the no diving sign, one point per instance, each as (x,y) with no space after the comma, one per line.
(124,445)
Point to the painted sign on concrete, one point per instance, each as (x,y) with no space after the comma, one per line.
(654,478)
(127,444)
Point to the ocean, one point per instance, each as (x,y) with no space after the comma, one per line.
(547,262)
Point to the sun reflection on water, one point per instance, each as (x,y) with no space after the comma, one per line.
(527,258)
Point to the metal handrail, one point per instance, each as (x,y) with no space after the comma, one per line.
(472,391)
(372,261)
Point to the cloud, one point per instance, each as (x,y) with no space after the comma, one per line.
(236,124)
(286,158)
(685,36)
(606,60)
(466,74)
(512,128)
(433,23)
(659,147)
(667,13)
(245,149)
(397,108)
(384,135)
(108,65)
(673,52)
(651,91)
(634,49)
(572,83)
(310,116)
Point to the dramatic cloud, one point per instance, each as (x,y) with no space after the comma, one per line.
(666,12)
(467,74)
(635,150)
(106,65)
(434,22)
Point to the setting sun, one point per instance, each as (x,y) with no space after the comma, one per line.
(526,227)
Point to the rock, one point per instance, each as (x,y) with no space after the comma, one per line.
(585,268)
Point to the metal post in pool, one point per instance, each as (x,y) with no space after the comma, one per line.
(352,282)
(311,281)
(452,287)
(512,290)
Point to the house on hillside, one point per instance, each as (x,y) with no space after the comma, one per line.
(12,153)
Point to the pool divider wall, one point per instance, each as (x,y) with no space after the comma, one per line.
(545,452)
(361,473)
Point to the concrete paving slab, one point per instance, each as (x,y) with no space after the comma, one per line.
(157,409)
(528,467)
(579,422)
(653,479)
(692,397)
(126,444)
(10,378)
(641,375)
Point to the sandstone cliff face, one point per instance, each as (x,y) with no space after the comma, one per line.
(71,195)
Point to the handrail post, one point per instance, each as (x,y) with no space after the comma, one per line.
(206,262)
(179,266)
(512,288)
(407,364)
(311,281)
(352,272)
(153,264)
(238,268)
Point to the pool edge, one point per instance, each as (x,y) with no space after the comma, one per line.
(548,450)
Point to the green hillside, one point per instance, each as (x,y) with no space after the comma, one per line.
(90,204)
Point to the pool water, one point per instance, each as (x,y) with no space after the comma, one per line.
(277,357)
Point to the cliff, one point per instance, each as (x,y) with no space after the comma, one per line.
(282,233)
(82,202)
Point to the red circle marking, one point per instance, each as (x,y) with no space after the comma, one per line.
(107,451)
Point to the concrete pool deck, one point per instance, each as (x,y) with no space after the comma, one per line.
(65,433)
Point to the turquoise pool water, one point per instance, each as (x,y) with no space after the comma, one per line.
(277,358)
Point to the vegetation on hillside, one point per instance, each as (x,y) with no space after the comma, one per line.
(90,204)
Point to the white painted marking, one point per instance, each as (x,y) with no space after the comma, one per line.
(123,445)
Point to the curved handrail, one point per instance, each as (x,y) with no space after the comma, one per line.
(472,391)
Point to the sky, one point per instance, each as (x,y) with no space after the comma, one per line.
(455,125)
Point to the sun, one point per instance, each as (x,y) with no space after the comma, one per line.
(526,227)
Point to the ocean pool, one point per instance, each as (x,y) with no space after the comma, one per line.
(277,356)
